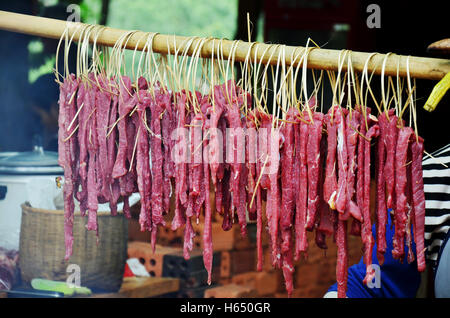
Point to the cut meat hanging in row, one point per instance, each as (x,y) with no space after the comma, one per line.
(314,170)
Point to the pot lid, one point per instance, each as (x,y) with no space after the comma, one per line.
(37,157)
(30,162)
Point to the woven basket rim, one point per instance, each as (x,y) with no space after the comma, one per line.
(25,206)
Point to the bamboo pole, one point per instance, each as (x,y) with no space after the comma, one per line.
(324,59)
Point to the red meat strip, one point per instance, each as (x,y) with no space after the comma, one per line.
(82,142)
(125,106)
(330,182)
(301,241)
(66,103)
(364,125)
(197,150)
(264,148)
(207,232)
(325,226)
(288,188)
(389,167)
(189,234)
(216,138)
(92,180)
(418,200)
(188,238)
(103,105)
(251,155)
(113,185)
(180,149)
(127,134)
(352,124)
(287,172)
(313,160)
(167,120)
(157,109)
(342,156)
(366,229)
(222,126)
(342,258)
(273,196)
(410,207)
(380,206)
(400,215)
(144,180)
(237,142)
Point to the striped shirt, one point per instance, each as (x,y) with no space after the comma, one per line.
(436,178)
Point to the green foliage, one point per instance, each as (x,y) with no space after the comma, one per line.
(181,17)
(203,18)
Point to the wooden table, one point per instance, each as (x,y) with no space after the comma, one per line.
(143,287)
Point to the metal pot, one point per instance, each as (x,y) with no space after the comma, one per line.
(25,176)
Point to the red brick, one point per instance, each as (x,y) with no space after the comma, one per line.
(153,262)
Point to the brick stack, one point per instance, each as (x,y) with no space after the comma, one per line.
(315,274)
(169,262)
(234,274)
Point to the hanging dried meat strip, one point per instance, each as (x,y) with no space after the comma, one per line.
(273,195)
(325,225)
(207,232)
(103,106)
(342,156)
(92,175)
(380,204)
(82,144)
(330,182)
(222,126)
(313,160)
(409,206)
(389,167)
(113,185)
(122,169)
(400,214)
(236,139)
(125,106)
(144,180)
(168,124)
(180,157)
(196,164)
(156,110)
(251,157)
(216,138)
(301,241)
(66,154)
(352,124)
(366,229)
(363,127)
(342,258)
(288,186)
(418,201)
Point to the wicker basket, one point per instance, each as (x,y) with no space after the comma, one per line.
(42,248)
